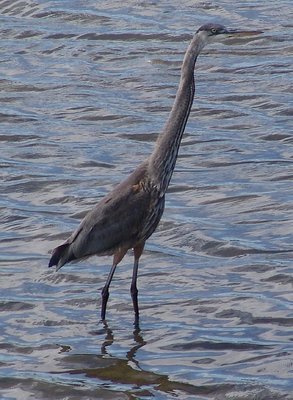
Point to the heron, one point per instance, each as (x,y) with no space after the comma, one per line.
(126,217)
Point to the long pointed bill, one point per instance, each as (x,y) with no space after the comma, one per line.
(242,33)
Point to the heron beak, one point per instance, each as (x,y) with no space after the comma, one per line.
(242,33)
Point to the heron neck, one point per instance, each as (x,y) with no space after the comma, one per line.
(163,158)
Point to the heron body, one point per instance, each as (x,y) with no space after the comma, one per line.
(130,213)
(111,228)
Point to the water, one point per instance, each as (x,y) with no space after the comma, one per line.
(85,89)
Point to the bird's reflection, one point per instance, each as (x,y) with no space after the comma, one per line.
(140,342)
(109,340)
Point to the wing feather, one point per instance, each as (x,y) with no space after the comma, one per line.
(114,222)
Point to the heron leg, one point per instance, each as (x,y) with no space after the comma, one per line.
(133,288)
(105,291)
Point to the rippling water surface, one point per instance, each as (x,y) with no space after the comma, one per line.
(85,89)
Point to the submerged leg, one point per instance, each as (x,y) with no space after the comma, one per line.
(105,291)
(133,288)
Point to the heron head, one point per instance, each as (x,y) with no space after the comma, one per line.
(211,31)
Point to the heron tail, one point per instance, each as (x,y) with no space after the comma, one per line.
(60,256)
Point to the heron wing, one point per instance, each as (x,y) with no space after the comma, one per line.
(115,221)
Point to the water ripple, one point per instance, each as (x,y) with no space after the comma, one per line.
(84,93)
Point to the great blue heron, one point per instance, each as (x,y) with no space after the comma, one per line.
(130,213)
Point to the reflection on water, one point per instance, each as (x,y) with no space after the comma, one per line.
(84,92)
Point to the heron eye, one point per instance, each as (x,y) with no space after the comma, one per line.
(214,30)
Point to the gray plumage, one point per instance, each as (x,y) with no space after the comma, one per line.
(110,225)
